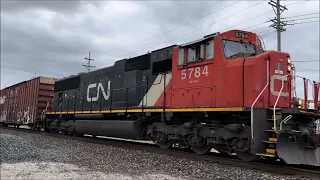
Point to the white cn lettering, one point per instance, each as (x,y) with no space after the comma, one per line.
(105,94)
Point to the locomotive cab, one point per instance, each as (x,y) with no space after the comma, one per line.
(215,68)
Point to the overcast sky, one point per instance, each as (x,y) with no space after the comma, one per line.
(51,38)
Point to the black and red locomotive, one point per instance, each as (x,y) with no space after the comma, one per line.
(223,91)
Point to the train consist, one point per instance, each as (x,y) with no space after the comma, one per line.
(224,91)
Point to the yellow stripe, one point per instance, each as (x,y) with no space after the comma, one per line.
(306,112)
(151,110)
(271,151)
(273,139)
(265,154)
(278,116)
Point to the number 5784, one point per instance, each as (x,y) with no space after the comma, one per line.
(194,72)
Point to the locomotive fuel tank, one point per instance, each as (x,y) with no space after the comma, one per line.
(111,128)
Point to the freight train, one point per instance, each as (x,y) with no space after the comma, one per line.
(224,91)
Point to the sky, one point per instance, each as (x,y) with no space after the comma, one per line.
(52,38)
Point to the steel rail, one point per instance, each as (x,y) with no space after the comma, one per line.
(263,166)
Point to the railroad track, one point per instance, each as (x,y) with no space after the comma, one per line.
(262,165)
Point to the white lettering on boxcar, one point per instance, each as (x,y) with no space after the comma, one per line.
(2,99)
(99,86)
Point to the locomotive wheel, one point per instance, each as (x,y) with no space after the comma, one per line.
(165,145)
(199,145)
(162,141)
(246,156)
(204,149)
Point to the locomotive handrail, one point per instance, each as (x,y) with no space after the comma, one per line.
(285,120)
(312,90)
(254,102)
(317,126)
(275,104)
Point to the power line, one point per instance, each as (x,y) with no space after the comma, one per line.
(248,21)
(270,19)
(213,23)
(220,20)
(263,30)
(255,25)
(305,22)
(300,15)
(201,9)
(277,23)
(199,28)
(269,33)
(297,2)
(300,19)
(178,26)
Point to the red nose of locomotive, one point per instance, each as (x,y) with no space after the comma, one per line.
(281,76)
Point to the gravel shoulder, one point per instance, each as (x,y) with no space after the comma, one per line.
(32,156)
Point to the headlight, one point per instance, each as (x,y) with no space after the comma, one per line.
(289,60)
(289,67)
(300,102)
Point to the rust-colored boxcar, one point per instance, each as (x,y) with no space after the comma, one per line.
(24,102)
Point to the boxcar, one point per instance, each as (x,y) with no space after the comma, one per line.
(24,102)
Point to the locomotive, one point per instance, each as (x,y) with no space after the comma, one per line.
(223,91)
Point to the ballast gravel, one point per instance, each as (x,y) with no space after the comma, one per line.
(32,156)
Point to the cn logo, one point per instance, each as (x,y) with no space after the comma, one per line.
(105,93)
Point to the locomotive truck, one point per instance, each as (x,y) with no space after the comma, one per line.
(224,91)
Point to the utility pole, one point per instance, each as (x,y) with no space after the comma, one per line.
(277,23)
(88,65)
(35,75)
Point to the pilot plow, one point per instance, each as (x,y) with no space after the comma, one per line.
(299,148)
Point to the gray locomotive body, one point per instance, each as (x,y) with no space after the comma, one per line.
(85,100)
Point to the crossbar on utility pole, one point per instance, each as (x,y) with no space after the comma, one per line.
(277,23)
(88,66)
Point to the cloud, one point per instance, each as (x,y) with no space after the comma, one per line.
(51,38)
(66,6)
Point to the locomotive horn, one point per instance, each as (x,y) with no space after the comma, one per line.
(293,149)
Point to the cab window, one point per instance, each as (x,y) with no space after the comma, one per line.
(191,54)
(195,53)
(232,48)
(181,57)
(209,50)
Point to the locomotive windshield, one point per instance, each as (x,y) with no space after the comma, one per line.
(235,48)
